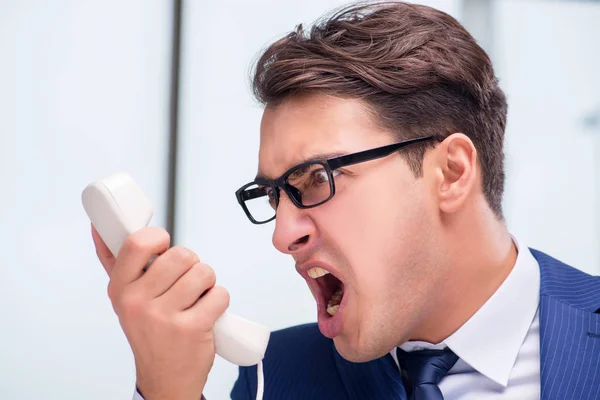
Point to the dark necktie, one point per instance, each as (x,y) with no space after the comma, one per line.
(422,371)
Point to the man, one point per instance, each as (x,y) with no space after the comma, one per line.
(381,166)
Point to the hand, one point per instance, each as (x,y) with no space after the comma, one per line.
(167,322)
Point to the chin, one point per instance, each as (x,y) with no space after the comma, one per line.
(356,352)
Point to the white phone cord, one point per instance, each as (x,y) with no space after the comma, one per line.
(260,381)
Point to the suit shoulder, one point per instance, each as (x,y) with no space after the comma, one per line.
(297,340)
(299,347)
(296,358)
(567,284)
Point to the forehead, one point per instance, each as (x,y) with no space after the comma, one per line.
(310,125)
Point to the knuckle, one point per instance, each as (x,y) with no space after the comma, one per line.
(163,236)
(183,325)
(221,296)
(197,280)
(156,317)
(204,273)
(160,237)
(181,254)
(143,238)
(134,242)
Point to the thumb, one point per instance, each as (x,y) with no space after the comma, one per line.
(103,252)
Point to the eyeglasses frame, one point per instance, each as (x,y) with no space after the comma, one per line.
(329,165)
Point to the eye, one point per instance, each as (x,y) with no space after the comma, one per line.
(271,196)
(320,176)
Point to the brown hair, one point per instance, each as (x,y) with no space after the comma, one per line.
(419,71)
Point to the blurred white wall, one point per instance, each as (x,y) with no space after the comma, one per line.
(547,56)
(84,94)
(219,153)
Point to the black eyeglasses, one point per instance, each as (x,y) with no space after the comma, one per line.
(309,184)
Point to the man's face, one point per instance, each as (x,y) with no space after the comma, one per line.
(375,236)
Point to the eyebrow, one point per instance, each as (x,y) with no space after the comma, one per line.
(315,157)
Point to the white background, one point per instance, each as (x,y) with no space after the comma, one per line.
(548,57)
(84,93)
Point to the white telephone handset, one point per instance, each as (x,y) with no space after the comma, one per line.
(117,207)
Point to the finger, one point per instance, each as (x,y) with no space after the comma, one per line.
(187,290)
(166,270)
(107,259)
(135,253)
(208,308)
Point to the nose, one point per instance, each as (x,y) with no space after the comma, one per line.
(294,231)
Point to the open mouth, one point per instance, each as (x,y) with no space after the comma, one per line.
(331,288)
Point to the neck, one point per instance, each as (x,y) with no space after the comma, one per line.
(479,255)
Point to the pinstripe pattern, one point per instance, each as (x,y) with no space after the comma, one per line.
(378,379)
(570,351)
(301,364)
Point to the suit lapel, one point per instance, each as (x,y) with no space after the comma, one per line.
(569,351)
(378,379)
(569,331)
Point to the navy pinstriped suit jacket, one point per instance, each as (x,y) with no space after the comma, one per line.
(302,364)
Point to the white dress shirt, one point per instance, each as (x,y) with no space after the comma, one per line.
(499,346)
(136,396)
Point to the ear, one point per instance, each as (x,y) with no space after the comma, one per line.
(458,170)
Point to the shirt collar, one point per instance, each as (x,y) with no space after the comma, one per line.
(491,339)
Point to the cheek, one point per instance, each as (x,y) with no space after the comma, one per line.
(376,225)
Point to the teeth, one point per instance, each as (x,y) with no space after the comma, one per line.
(332,310)
(336,299)
(317,272)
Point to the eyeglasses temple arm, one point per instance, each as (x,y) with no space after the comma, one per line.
(373,154)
